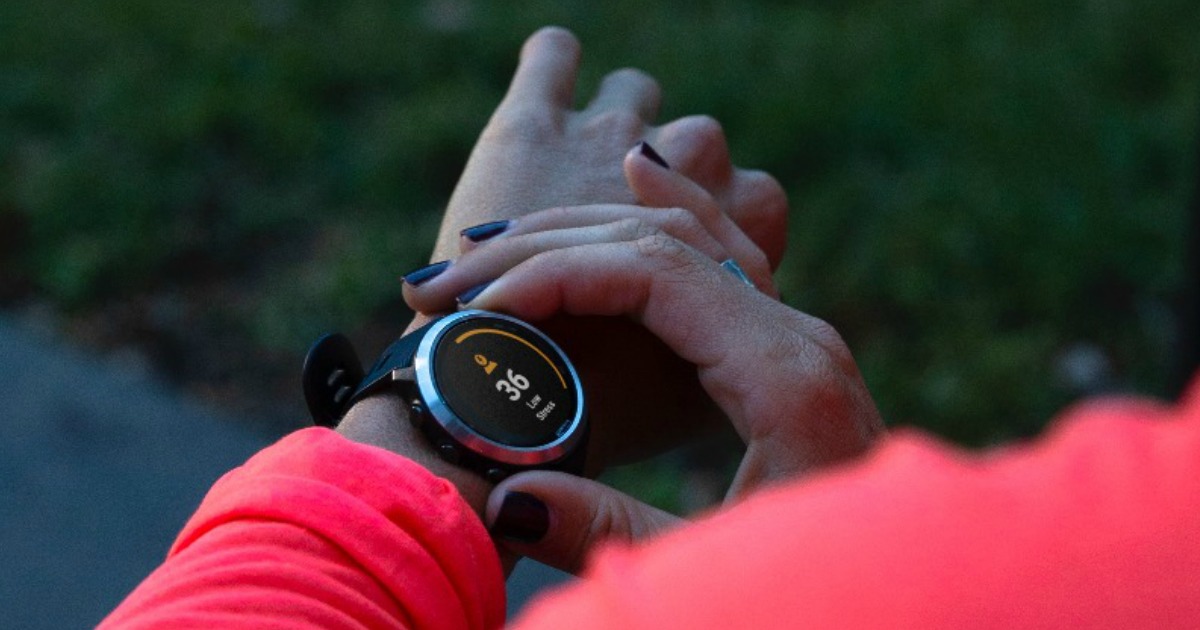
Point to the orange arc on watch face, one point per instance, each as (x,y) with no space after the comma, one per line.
(493,331)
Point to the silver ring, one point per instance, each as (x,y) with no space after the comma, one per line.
(732,267)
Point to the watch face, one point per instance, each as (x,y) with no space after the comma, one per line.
(504,380)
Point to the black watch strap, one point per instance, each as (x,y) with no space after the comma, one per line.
(398,355)
(333,376)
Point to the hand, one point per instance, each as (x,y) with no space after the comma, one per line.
(785,379)
(537,153)
(558,519)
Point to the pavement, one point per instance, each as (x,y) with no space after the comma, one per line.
(100,465)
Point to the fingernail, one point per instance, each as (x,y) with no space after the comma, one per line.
(652,155)
(417,277)
(484,231)
(522,517)
(471,294)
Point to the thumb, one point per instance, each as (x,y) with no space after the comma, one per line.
(558,519)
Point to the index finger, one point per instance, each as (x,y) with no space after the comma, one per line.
(547,70)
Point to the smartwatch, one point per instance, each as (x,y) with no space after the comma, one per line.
(489,391)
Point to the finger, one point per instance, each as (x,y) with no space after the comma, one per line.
(627,89)
(676,221)
(659,187)
(696,147)
(559,519)
(759,206)
(676,292)
(547,70)
(486,263)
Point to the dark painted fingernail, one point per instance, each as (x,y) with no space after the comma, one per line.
(522,517)
(484,231)
(472,293)
(417,277)
(653,155)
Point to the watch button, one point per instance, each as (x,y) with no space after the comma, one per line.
(417,413)
(495,475)
(447,452)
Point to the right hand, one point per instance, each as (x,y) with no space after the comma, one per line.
(784,379)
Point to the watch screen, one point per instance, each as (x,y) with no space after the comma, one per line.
(504,381)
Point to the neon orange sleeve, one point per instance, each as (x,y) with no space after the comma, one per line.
(318,531)
(1095,525)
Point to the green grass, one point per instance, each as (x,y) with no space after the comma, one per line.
(975,185)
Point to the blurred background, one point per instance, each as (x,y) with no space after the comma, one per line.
(990,199)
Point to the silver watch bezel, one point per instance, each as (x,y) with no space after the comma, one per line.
(458,429)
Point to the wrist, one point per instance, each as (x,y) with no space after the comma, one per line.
(383,421)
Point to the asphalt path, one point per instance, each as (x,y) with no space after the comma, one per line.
(100,465)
